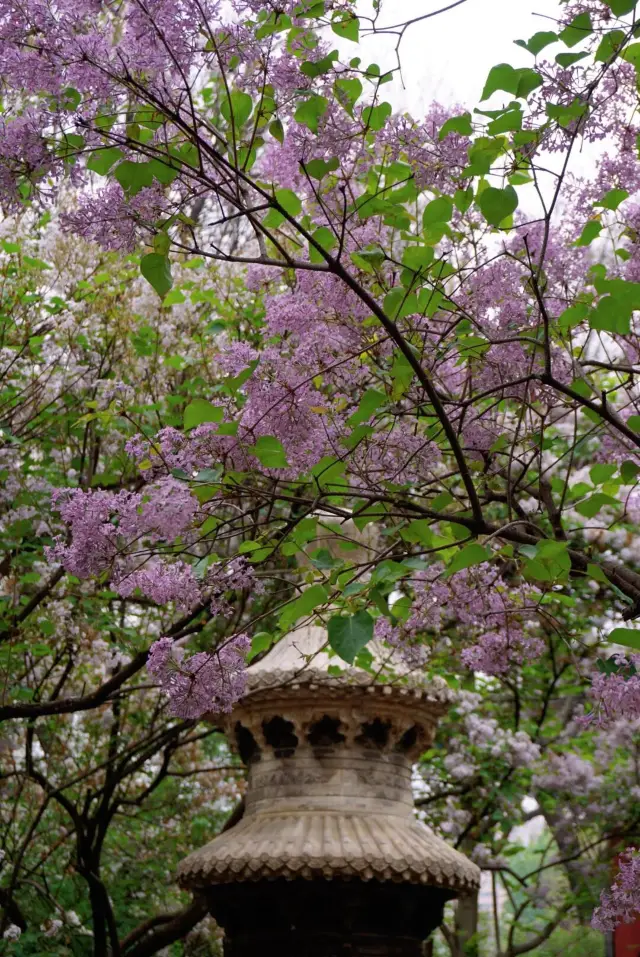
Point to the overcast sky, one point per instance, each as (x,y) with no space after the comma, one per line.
(447,57)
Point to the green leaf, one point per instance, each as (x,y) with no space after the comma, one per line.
(568,59)
(277,130)
(519,82)
(70,99)
(103,160)
(595,572)
(579,29)
(550,548)
(173,298)
(619,300)
(439,210)
(483,152)
(573,316)
(620,7)
(595,502)
(401,609)
(536,570)
(567,114)
(609,46)
(419,531)
(325,239)
(625,292)
(463,198)
(629,472)
(389,571)
(509,121)
(348,91)
(307,602)
(239,105)
(346,25)
(272,219)
(497,204)
(133,176)
(610,316)
(164,172)
(318,168)
(370,401)
(269,452)
(200,411)
(457,124)
(161,243)
(374,117)
(602,473)
(314,68)
(399,303)
(289,201)
(590,232)
(309,111)
(613,198)
(471,554)
(261,641)
(417,258)
(156,269)
(538,41)
(630,637)
(310,9)
(548,561)
(347,636)
(402,374)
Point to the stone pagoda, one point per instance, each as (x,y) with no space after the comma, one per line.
(329,858)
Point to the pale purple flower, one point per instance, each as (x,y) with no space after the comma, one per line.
(620,904)
(162,582)
(204,682)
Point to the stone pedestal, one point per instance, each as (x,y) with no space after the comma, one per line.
(329,858)
(326,918)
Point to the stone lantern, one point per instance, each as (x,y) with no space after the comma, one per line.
(329,859)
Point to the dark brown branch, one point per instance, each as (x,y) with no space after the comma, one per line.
(171,927)
(168,930)
(101,694)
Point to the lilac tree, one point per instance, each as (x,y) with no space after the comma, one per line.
(435,334)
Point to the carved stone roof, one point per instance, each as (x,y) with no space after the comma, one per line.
(330,845)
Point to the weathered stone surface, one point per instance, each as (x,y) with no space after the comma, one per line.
(329,786)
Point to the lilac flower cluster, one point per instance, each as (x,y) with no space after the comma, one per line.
(162,582)
(118,532)
(477,604)
(236,575)
(620,904)
(204,682)
(24,156)
(616,695)
(113,220)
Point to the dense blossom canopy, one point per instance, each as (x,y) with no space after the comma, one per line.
(428,326)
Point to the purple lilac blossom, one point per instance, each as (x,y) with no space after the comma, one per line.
(203,682)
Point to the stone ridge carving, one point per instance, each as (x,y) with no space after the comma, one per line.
(330,845)
(355,710)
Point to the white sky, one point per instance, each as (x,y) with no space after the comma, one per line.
(447,58)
